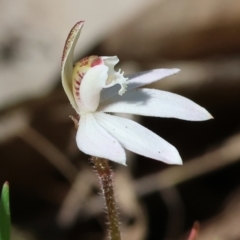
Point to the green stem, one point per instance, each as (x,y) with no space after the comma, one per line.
(105,175)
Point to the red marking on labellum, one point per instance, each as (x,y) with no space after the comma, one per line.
(96,62)
(80,74)
(84,62)
(80,69)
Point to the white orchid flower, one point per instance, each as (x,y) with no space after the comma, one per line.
(96,90)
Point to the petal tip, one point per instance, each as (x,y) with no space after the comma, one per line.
(177,161)
(123,163)
(176,70)
(206,115)
(210,116)
(174,157)
(121,160)
(166,72)
(180,162)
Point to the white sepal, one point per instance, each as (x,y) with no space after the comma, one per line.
(139,139)
(94,140)
(156,103)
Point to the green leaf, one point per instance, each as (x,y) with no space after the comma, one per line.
(5,221)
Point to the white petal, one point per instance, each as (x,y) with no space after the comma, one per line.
(140,79)
(92,83)
(94,140)
(143,78)
(156,103)
(139,139)
(67,62)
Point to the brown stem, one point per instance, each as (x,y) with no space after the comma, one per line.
(105,175)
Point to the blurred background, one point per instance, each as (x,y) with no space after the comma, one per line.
(54,192)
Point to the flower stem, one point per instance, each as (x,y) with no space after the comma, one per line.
(105,175)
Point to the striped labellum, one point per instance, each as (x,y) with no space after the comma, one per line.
(80,69)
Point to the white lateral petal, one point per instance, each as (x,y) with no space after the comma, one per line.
(94,140)
(67,62)
(140,79)
(156,103)
(139,139)
(143,78)
(92,83)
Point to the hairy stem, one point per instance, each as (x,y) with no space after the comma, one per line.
(105,175)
